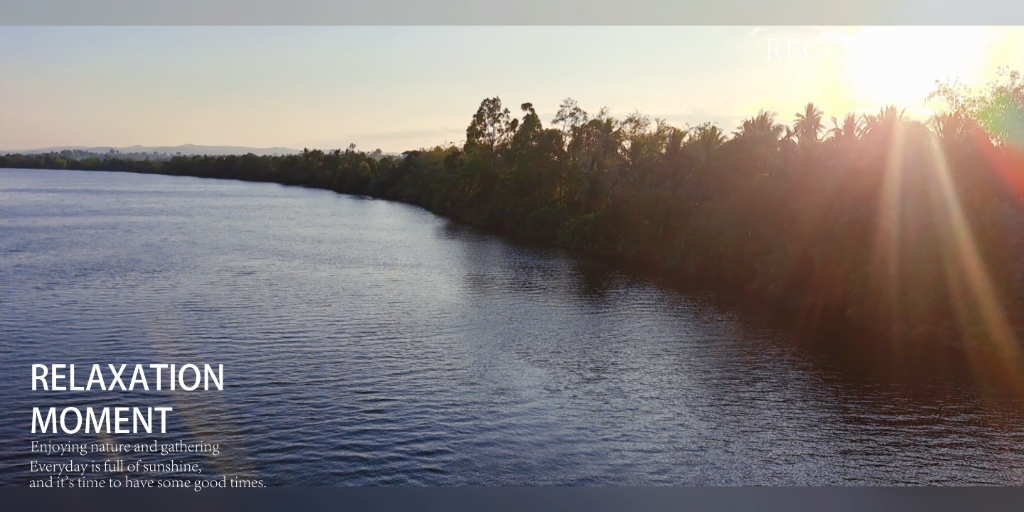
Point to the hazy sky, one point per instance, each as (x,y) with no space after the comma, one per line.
(399,88)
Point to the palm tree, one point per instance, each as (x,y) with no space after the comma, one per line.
(884,121)
(760,144)
(951,129)
(704,142)
(850,131)
(761,124)
(808,124)
(702,145)
(596,147)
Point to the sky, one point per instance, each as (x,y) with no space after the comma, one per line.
(401,88)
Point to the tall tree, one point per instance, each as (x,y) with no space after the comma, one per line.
(808,125)
(570,116)
(491,127)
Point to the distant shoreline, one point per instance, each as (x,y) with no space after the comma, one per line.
(156,153)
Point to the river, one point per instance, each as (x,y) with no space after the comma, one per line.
(368,342)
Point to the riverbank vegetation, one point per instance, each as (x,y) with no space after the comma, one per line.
(910,231)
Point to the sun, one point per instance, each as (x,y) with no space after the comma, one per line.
(900,65)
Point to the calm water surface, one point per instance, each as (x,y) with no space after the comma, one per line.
(367,342)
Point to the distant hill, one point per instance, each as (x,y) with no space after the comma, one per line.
(186,149)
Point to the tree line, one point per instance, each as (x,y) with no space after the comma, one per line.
(910,230)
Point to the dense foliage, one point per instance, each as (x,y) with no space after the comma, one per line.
(909,230)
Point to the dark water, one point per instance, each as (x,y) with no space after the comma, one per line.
(369,342)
